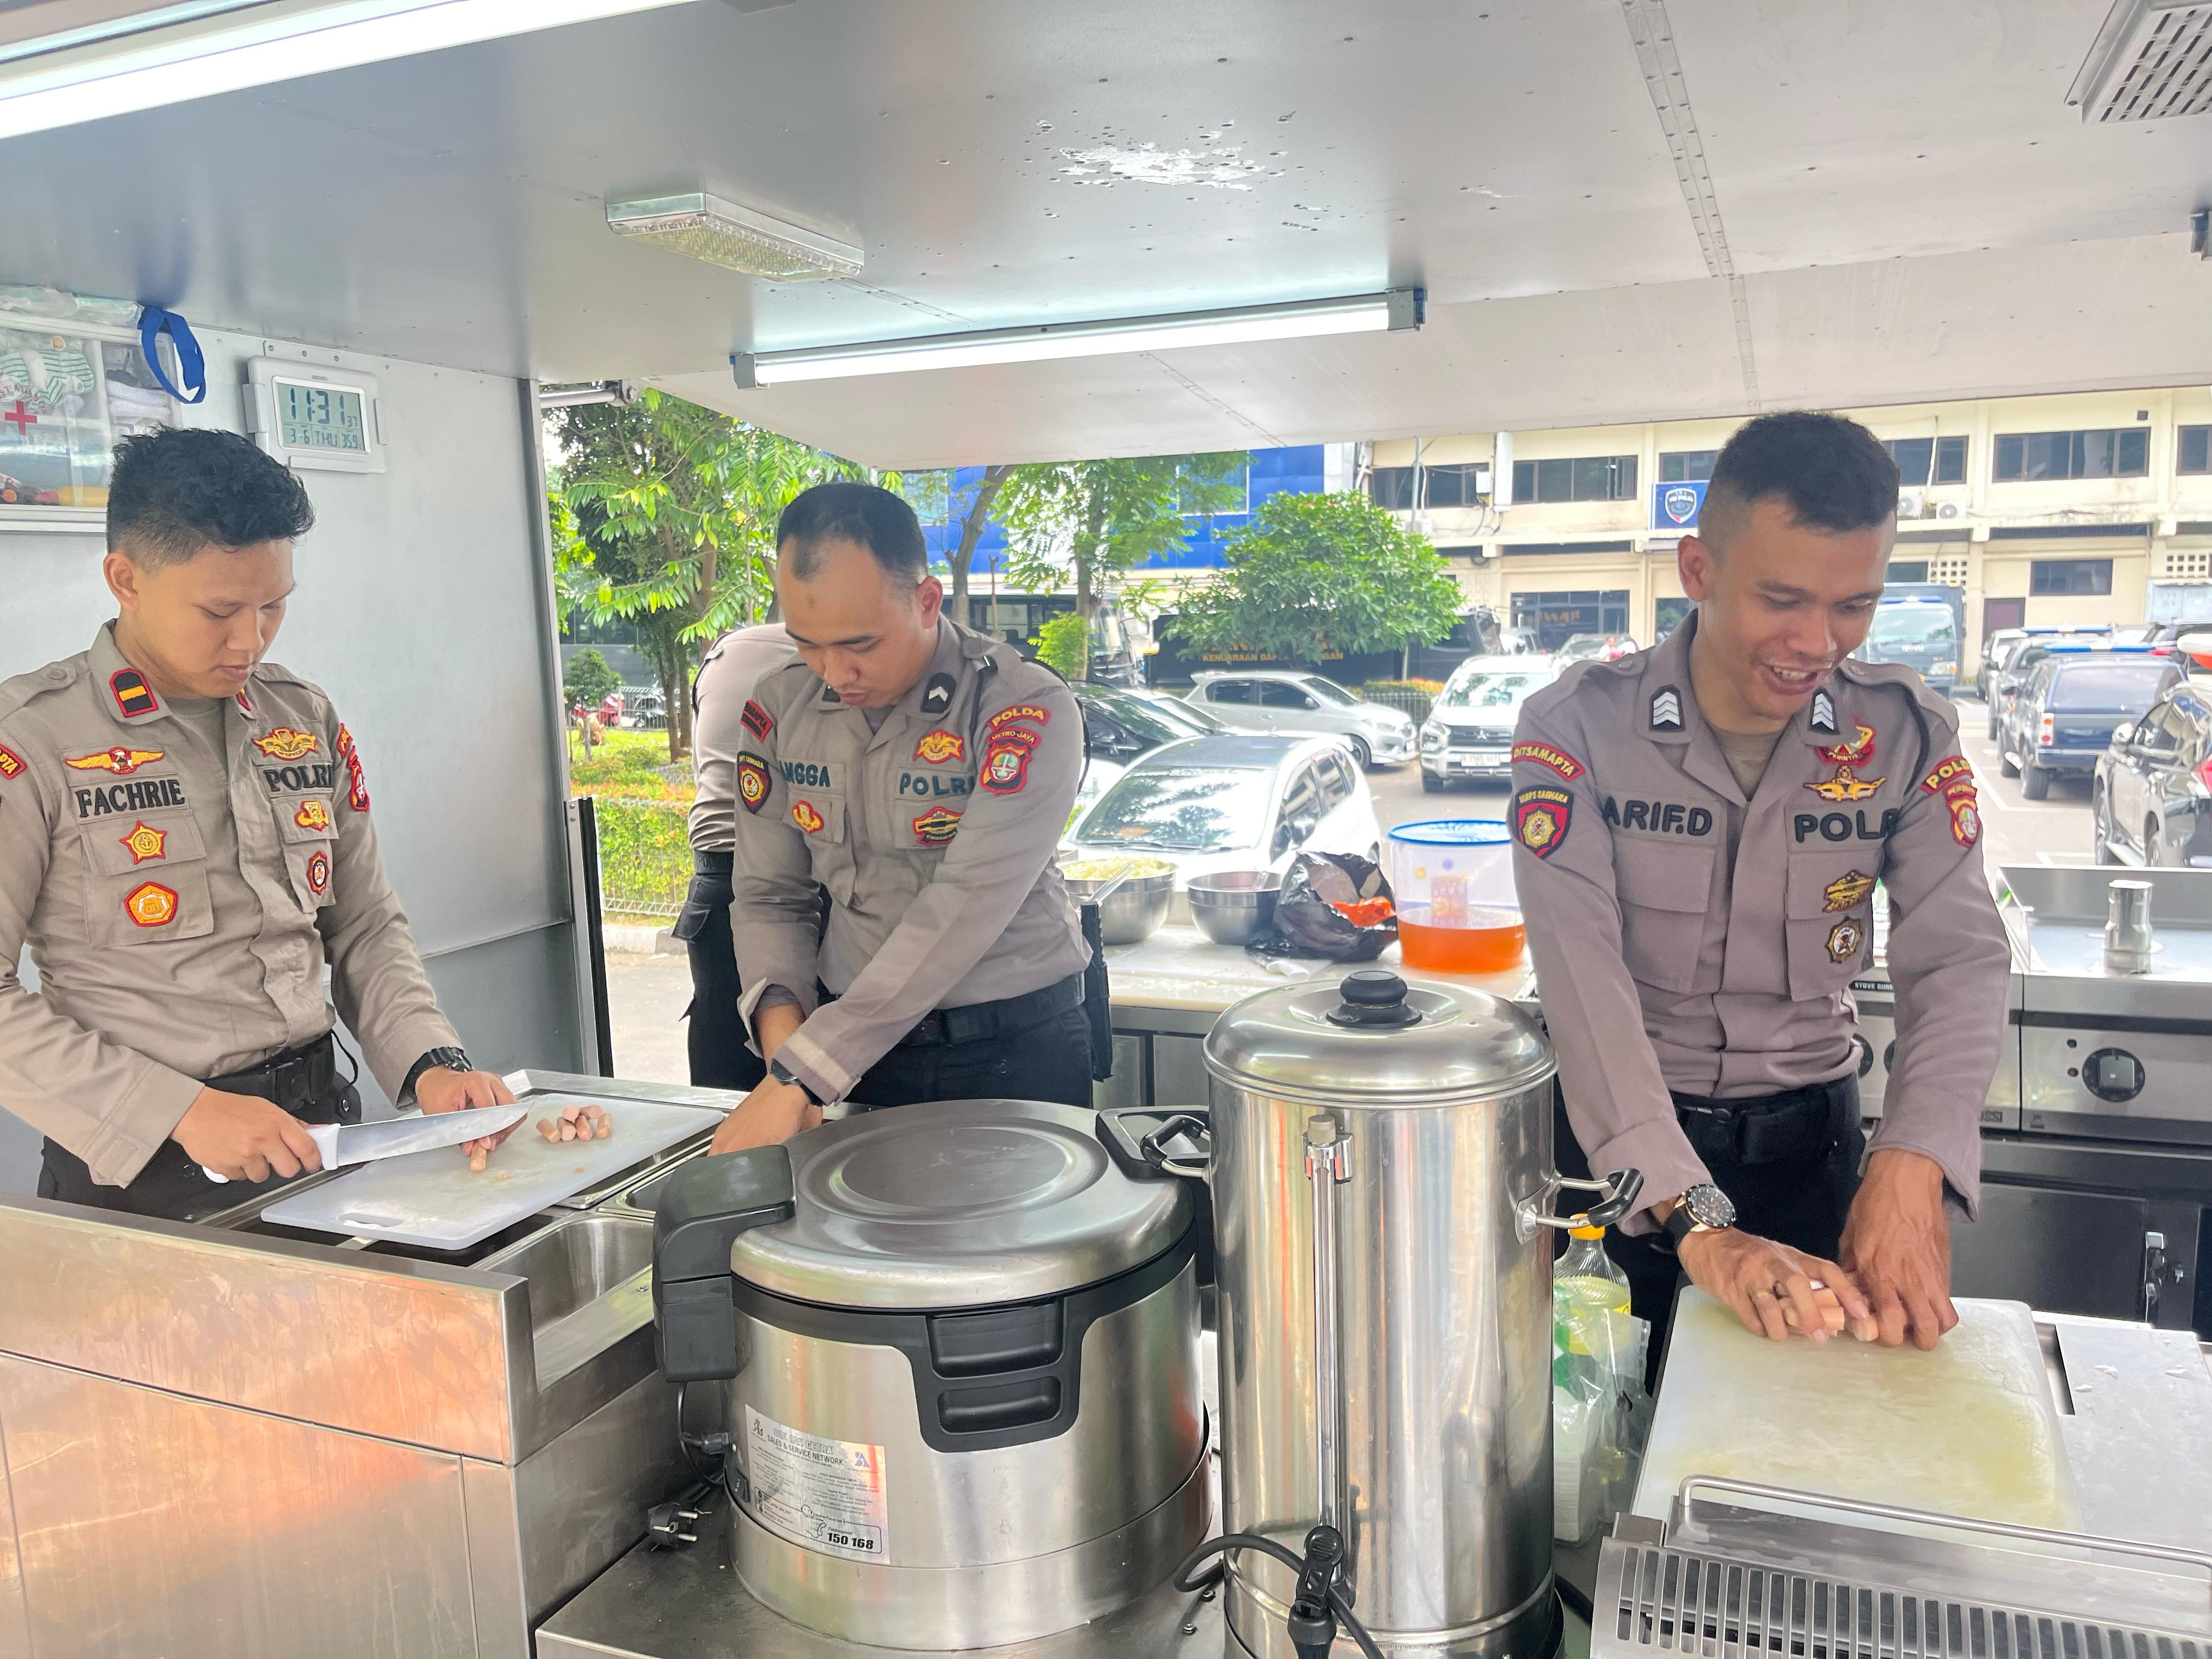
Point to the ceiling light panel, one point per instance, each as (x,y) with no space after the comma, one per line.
(703,226)
(2152,60)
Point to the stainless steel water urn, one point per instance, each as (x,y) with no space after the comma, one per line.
(1407,1128)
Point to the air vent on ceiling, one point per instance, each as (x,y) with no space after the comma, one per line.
(2151,60)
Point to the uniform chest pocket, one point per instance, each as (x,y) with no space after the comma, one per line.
(307,829)
(1665,894)
(819,815)
(147,880)
(1828,913)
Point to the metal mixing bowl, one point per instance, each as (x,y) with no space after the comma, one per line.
(1130,907)
(1234,907)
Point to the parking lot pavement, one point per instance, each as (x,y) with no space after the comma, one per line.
(2015,830)
(646,999)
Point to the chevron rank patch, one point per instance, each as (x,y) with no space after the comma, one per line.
(1558,760)
(1667,708)
(937,695)
(1824,713)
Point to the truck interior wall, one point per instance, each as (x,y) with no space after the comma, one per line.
(423,609)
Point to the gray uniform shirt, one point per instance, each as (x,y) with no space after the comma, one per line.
(719,698)
(1687,937)
(180,902)
(933,833)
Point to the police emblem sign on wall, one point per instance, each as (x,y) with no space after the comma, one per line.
(1676,505)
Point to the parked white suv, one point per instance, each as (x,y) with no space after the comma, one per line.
(1469,730)
(1284,702)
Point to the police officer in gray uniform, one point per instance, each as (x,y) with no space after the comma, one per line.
(1700,828)
(922,773)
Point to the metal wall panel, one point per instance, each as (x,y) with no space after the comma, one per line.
(156,1524)
(423,610)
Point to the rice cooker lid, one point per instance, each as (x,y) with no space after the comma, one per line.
(957,1204)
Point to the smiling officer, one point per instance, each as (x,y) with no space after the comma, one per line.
(185,844)
(1700,829)
(922,774)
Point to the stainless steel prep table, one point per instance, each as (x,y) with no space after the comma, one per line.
(224,1439)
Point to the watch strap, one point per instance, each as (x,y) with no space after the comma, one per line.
(453,1059)
(783,1073)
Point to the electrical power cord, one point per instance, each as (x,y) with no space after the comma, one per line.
(670,1525)
(1320,1604)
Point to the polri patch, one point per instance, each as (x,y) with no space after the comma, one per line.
(1020,711)
(145,841)
(939,746)
(1855,753)
(1846,891)
(11,764)
(133,696)
(937,695)
(1965,815)
(752,782)
(319,873)
(804,815)
(756,721)
(1845,939)
(151,905)
(1846,785)
(1540,818)
(1006,769)
(119,760)
(287,742)
(1543,754)
(1667,708)
(936,827)
(1948,775)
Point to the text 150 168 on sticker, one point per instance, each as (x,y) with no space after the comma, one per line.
(825,1495)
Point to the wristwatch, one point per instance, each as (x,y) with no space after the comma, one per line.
(783,1073)
(1704,1208)
(452,1059)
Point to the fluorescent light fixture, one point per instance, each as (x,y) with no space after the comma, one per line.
(736,238)
(172,54)
(1363,313)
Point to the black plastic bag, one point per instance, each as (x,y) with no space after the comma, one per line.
(1307,923)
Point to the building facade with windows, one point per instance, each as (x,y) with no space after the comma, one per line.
(2061,507)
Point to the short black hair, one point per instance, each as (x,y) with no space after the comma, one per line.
(1833,473)
(176,493)
(864,513)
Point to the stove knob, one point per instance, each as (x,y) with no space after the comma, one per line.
(2113,1074)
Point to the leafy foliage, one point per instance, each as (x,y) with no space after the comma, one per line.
(588,679)
(1311,572)
(1063,644)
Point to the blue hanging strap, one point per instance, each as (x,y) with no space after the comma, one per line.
(153,323)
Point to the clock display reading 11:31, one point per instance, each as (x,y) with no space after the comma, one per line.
(310,416)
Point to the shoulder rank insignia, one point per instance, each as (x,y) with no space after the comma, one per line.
(133,696)
(1666,709)
(803,814)
(1857,752)
(1845,939)
(151,905)
(752,782)
(119,760)
(936,827)
(1541,817)
(937,695)
(11,764)
(144,842)
(1846,785)
(287,742)
(1846,891)
(940,746)
(1824,713)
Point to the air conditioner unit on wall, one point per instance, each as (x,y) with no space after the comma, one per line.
(1948,510)
(1909,504)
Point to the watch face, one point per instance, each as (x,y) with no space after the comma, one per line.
(1708,1206)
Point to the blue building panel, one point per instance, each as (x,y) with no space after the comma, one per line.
(1297,469)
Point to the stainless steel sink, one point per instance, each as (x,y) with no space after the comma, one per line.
(591,1283)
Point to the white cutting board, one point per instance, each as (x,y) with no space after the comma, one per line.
(433,1198)
(1969,1429)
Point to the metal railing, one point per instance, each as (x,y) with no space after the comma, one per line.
(1416,704)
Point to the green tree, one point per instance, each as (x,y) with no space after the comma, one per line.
(588,679)
(975,519)
(1063,644)
(1311,572)
(670,514)
(1095,519)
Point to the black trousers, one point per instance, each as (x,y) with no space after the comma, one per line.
(304,1081)
(1801,1200)
(1049,1060)
(714,1037)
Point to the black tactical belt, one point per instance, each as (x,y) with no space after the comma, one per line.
(1794,1126)
(979,1022)
(717,866)
(297,1079)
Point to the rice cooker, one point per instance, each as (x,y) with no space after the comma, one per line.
(963,1355)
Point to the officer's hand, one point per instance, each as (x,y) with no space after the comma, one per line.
(1897,1244)
(441,1091)
(243,1138)
(772,1112)
(1772,1286)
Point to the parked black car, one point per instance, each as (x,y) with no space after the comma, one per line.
(2063,717)
(2152,800)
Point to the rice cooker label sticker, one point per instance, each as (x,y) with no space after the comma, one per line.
(825,1495)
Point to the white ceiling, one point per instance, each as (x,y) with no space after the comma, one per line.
(1901,207)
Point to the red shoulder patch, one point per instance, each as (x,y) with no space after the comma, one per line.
(1558,760)
(11,764)
(1540,819)
(1948,775)
(1020,711)
(756,719)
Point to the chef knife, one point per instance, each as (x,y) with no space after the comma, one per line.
(341,1143)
